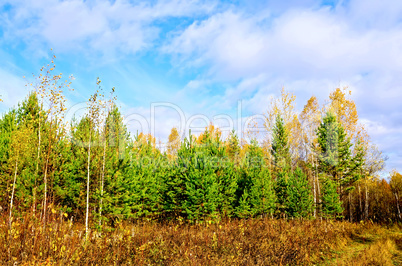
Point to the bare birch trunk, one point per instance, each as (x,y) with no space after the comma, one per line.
(13,191)
(102,182)
(315,197)
(367,203)
(318,185)
(37,167)
(45,199)
(87,211)
(397,205)
(360,202)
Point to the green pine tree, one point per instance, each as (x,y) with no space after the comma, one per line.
(331,204)
(280,146)
(255,191)
(299,202)
(334,157)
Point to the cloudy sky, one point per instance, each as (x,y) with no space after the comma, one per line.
(220,61)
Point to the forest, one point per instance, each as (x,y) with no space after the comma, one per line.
(315,168)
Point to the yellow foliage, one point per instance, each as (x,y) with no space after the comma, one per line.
(345,110)
(213,131)
(285,107)
(174,141)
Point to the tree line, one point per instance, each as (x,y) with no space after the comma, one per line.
(319,163)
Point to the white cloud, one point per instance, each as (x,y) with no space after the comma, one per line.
(100,25)
(12,89)
(309,50)
(246,52)
(304,43)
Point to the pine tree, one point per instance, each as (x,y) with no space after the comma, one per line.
(8,126)
(331,204)
(244,210)
(20,153)
(299,202)
(334,157)
(262,194)
(255,189)
(225,170)
(233,148)
(280,147)
(281,187)
(29,113)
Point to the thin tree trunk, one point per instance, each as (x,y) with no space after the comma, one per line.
(350,207)
(45,175)
(367,203)
(13,191)
(37,167)
(102,181)
(314,194)
(397,205)
(360,202)
(87,211)
(45,194)
(318,185)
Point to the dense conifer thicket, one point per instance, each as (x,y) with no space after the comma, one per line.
(319,163)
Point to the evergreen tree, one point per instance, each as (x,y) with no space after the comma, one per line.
(201,188)
(282,191)
(255,190)
(233,148)
(244,209)
(8,125)
(82,171)
(280,147)
(225,170)
(142,180)
(262,194)
(331,204)
(334,158)
(299,202)
(30,113)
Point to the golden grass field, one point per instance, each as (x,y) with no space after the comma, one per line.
(231,242)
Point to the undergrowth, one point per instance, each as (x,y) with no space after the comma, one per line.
(232,242)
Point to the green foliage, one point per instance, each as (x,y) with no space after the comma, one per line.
(233,147)
(331,204)
(201,188)
(334,150)
(255,189)
(280,146)
(299,202)
(282,191)
(196,180)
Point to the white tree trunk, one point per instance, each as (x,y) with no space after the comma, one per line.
(397,205)
(87,211)
(367,203)
(102,181)
(360,202)
(318,185)
(45,199)
(13,191)
(37,166)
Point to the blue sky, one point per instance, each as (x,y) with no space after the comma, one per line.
(205,56)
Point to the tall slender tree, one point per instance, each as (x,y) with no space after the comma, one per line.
(280,146)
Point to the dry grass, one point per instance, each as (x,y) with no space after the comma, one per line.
(372,245)
(236,242)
